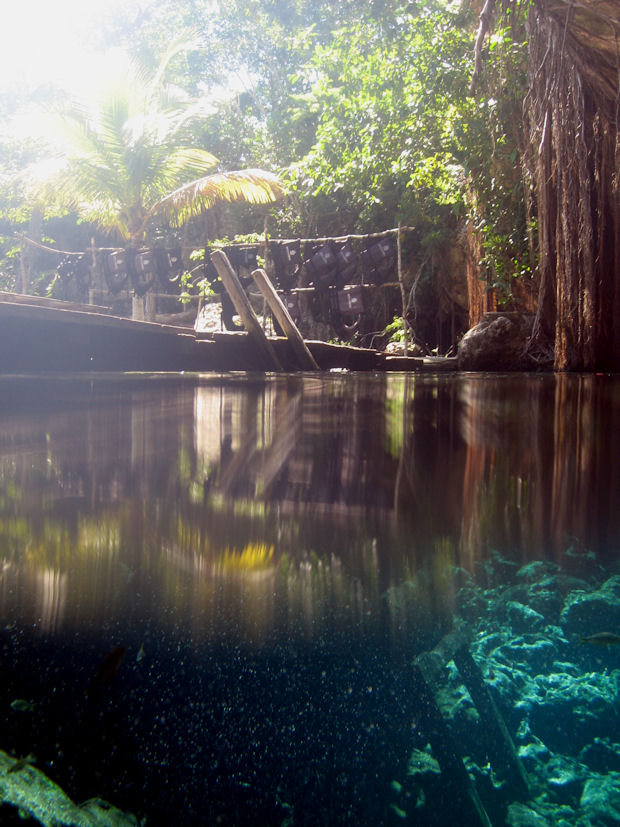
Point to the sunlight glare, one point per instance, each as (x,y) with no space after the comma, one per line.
(45,42)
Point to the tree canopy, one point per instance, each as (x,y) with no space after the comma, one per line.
(363,107)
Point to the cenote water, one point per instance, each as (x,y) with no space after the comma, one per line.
(213,590)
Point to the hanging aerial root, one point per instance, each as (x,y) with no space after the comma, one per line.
(485,24)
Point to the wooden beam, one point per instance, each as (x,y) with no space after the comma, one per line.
(457,784)
(500,746)
(244,308)
(44,301)
(278,308)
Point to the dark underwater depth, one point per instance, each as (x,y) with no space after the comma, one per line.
(218,595)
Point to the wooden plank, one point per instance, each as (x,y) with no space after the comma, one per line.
(45,301)
(43,339)
(456,780)
(243,308)
(500,746)
(432,663)
(278,308)
(501,752)
(69,316)
(330,356)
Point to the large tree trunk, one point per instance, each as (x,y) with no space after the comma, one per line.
(481,295)
(575,149)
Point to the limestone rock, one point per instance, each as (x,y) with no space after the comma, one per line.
(523,619)
(534,755)
(586,613)
(497,342)
(471,603)
(531,653)
(547,596)
(533,572)
(601,799)
(396,348)
(519,815)
(566,778)
(566,711)
(601,755)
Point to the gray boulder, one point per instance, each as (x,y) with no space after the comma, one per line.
(497,342)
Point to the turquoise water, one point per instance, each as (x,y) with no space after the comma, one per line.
(213,589)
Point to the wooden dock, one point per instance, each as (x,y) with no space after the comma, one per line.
(39,335)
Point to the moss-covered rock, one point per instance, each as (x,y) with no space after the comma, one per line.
(558,697)
(548,595)
(601,755)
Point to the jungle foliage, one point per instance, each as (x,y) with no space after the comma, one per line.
(362,107)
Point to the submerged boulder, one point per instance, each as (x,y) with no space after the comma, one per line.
(520,815)
(600,799)
(602,755)
(547,596)
(567,710)
(586,613)
(497,342)
(558,695)
(523,619)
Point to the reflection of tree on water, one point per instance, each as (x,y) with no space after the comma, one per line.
(539,475)
(357,484)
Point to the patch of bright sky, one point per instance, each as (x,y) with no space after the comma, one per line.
(43,41)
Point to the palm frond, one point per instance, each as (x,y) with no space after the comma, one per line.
(255,186)
(180,162)
(186,41)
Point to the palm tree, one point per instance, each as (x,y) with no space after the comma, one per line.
(125,157)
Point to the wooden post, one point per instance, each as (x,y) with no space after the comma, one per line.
(278,308)
(22,265)
(94,280)
(403,295)
(501,752)
(266,256)
(244,308)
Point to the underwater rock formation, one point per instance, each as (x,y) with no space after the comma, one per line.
(557,691)
(601,798)
(586,612)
